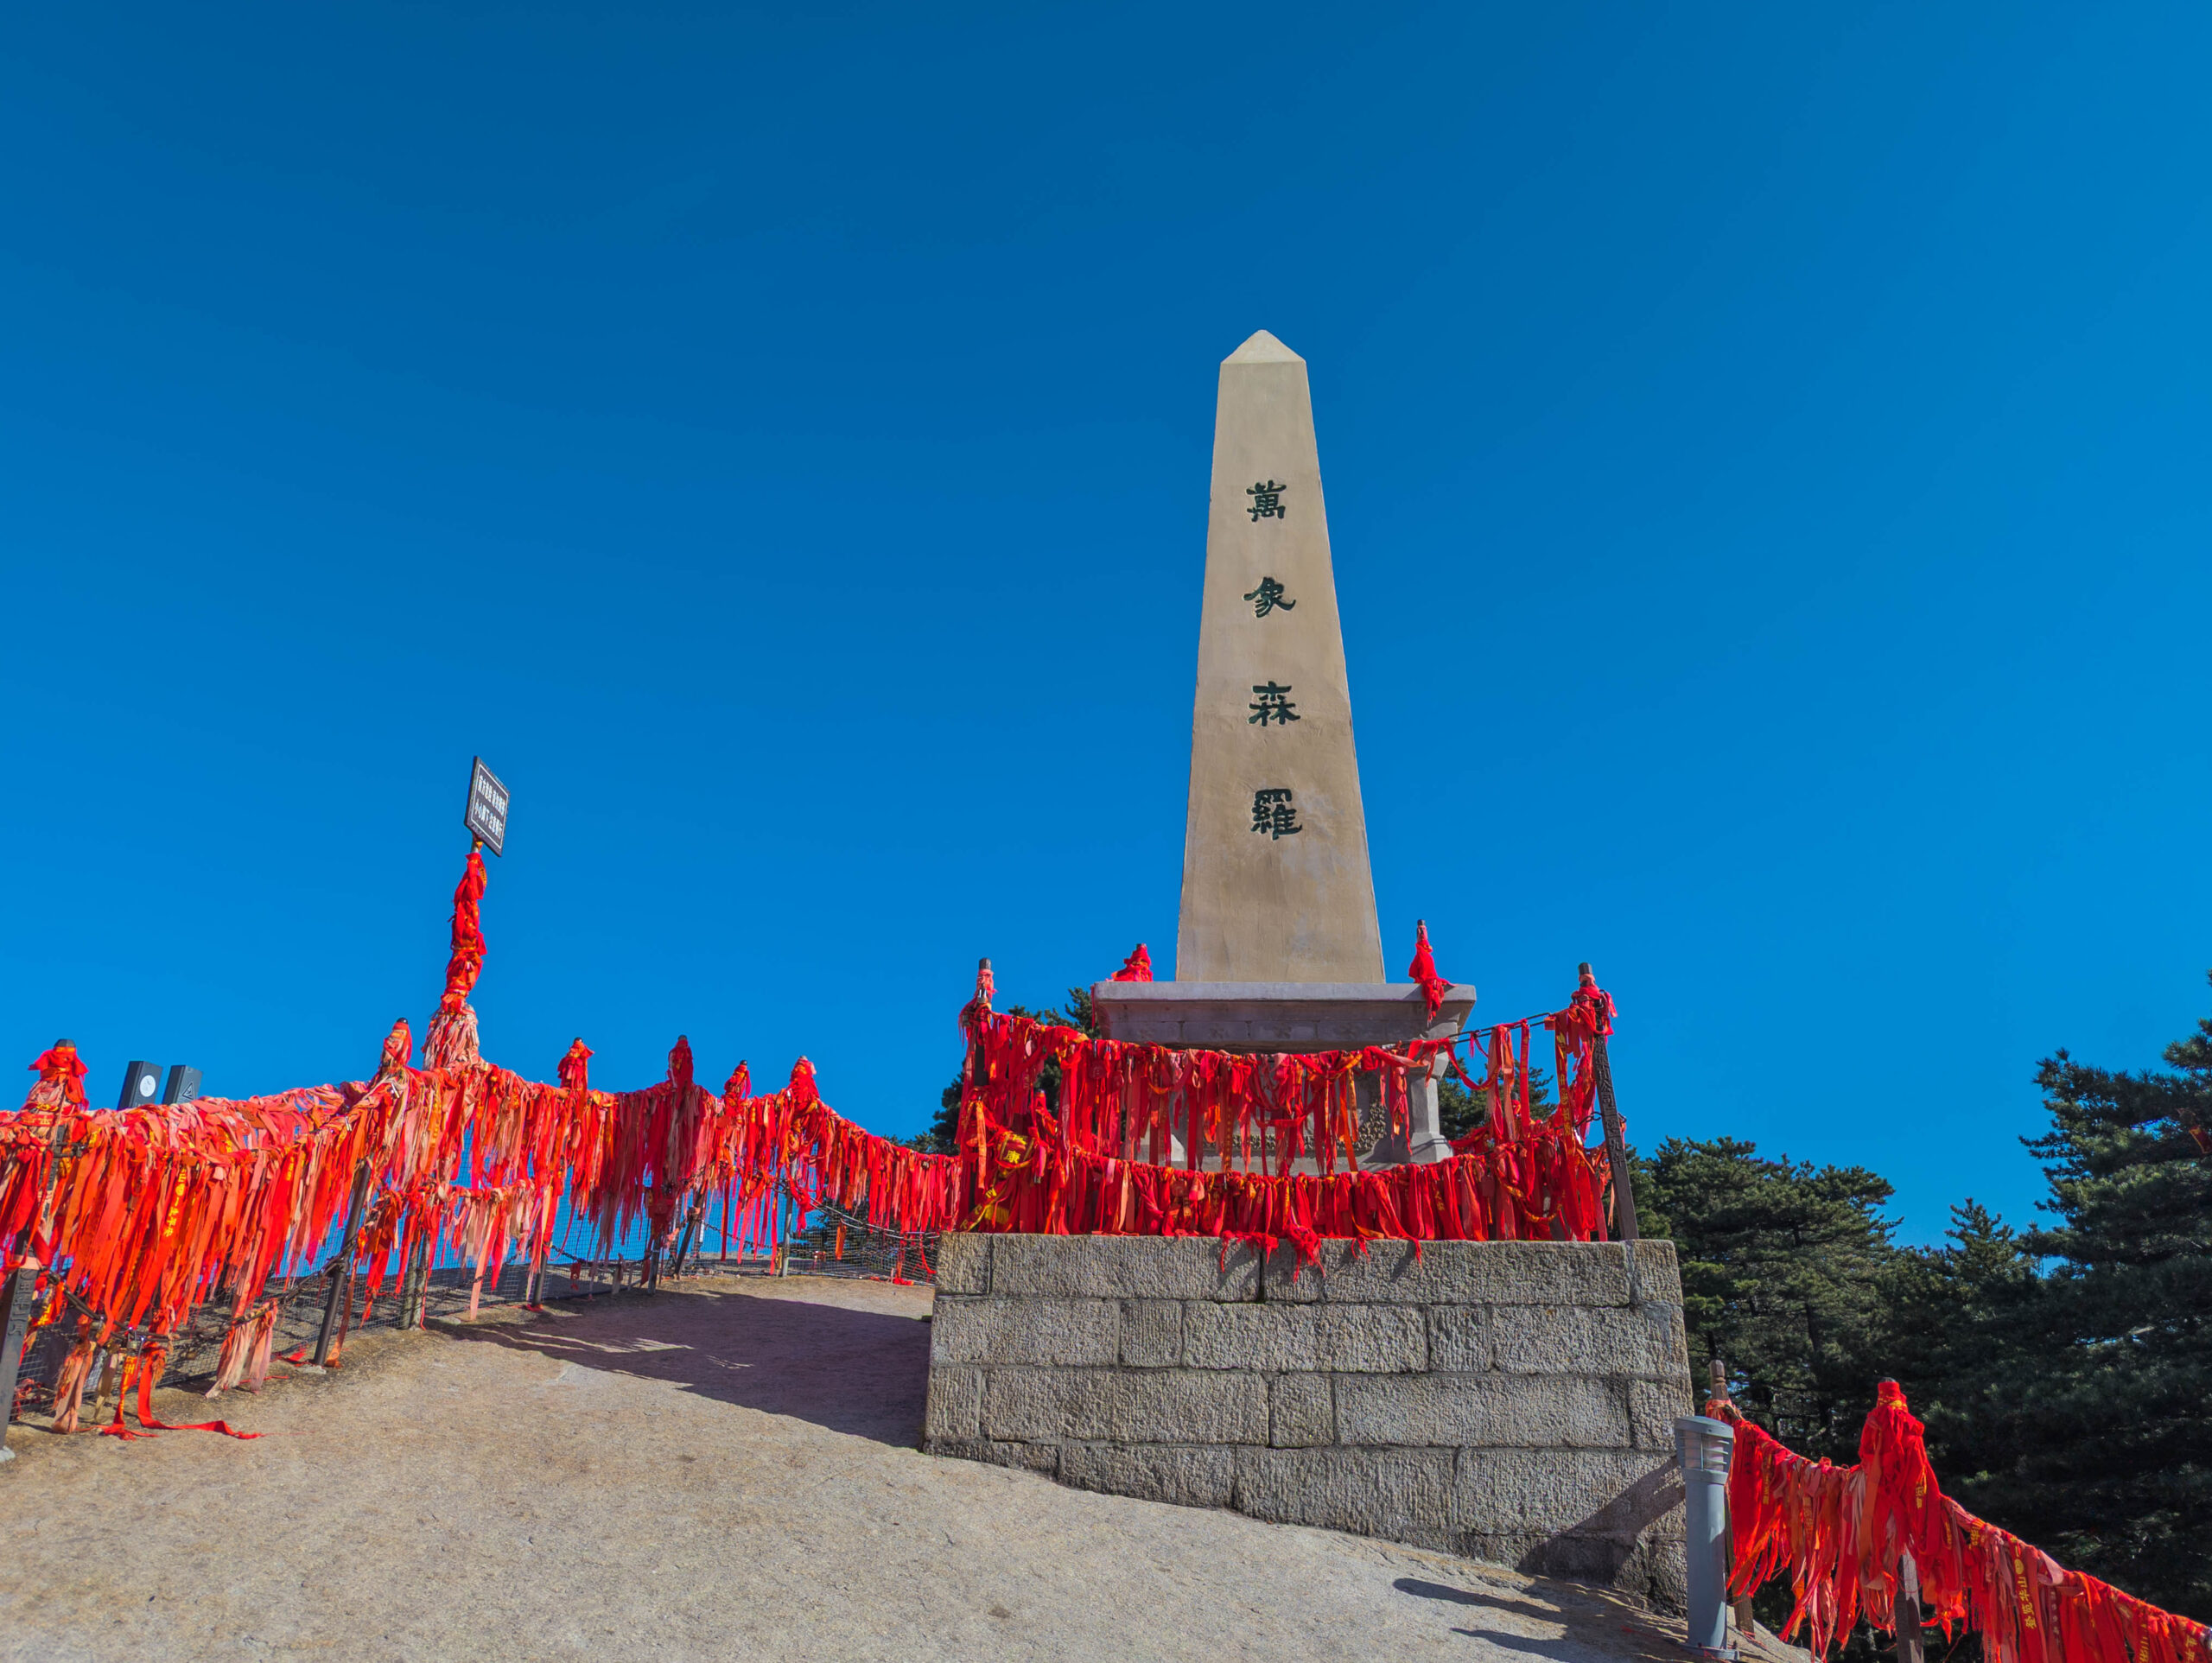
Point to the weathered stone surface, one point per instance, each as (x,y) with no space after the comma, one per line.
(1584,1340)
(1459,1339)
(1031,1458)
(1667,1574)
(997,1330)
(1279,908)
(1594,1492)
(1199,1477)
(1152,1333)
(1649,1571)
(1302,1412)
(1653,1406)
(1264,1015)
(1457,1273)
(956,1403)
(1492,1411)
(1604,1559)
(1123,1267)
(1654,1273)
(1510,1400)
(1404,1495)
(964,1263)
(1138,1406)
(1666,1317)
(1380,1339)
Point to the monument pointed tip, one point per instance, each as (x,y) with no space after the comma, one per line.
(1263,348)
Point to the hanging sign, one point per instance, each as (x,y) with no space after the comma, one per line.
(487,806)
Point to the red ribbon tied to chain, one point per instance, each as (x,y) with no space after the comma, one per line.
(1433,986)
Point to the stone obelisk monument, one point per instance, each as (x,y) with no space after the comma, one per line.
(1276,883)
(1278,947)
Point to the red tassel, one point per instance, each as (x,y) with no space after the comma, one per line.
(1423,970)
(1136,967)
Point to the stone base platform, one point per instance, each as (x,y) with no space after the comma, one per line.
(1511,1401)
(1267,1016)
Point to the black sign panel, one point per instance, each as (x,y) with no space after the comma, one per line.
(487,806)
(141,1085)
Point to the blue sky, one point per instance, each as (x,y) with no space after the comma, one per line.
(1765,451)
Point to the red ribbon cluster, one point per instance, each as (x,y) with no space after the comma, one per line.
(138,1217)
(1423,971)
(1841,1532)
(1100,1163)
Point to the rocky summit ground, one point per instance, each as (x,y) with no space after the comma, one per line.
(726,1470)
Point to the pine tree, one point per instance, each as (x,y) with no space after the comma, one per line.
(1783,1267)
(2088,1416)
(1959,1339)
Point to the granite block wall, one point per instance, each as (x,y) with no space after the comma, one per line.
(1509,1400)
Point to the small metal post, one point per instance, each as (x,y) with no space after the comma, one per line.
(414,1283)
(687,1245)
(15,1300)
(1702,1447)
(1746,1624)
(341,1268)
(1616,1144)
(1912,1647)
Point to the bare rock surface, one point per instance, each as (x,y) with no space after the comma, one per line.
(725,1470)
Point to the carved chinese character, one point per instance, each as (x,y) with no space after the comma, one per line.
(1267,597)
(1271,706)
(1272,813)
(1266,501)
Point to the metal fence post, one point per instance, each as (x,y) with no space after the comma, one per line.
(1912,1648)
(1616,1144)
(1702,1447)
(341,1268)
(1746,1624)
(414,1282)
(15,1300)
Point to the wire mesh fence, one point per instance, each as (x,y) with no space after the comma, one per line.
(839,1243)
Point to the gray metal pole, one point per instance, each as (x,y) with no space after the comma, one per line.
(1745,1623)
(687,1240)
(341,1268)
(1912,1645)
(15,1316)
(16,1299)
(414,1282)
(1703,1446)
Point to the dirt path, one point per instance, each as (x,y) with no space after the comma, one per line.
(728,1470)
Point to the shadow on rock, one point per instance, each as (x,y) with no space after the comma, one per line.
(1420,1589)
(1627,1629)
(1567,1648)
(864,1372)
